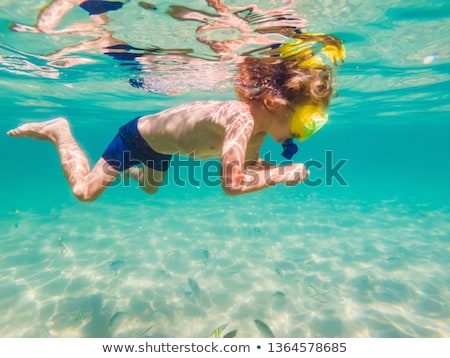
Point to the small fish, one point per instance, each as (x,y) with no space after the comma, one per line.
(318,294)
(78,317)
(194,287)
(116,317)
(279,294)
(264,329)
(143,334)
(218,331)
(16,222)
(62,246)
(205,257)
(114,266)
(257,230)
(185,291)
(146,5)
(279,272)
(230,334)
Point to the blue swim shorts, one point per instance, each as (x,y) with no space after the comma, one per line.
(96,7)
(129,148)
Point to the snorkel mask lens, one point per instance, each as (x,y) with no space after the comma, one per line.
(307,120)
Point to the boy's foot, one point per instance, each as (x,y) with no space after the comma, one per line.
(41,130)
(22,28)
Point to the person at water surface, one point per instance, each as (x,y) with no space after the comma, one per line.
(283,98)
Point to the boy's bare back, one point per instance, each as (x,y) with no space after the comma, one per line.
(199,129)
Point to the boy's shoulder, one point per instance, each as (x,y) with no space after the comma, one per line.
(208,109)
(210,104)
(227,114)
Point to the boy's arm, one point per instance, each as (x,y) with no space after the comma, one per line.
(51,15)
(240,178)
(252,151)
(252,155)
(48,17)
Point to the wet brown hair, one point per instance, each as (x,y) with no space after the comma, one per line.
(263,78)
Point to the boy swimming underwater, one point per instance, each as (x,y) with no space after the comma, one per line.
(283,96)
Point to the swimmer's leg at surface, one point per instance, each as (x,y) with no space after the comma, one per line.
(85,184)
(149,179)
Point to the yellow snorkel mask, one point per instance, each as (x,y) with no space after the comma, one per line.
(309,51)
(307,120)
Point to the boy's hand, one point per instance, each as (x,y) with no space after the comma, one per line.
(294,174)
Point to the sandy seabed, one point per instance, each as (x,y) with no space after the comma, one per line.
(165,268)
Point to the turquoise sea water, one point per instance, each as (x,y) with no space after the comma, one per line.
(366,258)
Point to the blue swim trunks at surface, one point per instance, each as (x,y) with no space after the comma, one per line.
(96,7)
(129,148)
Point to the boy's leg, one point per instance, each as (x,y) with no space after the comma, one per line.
(86,185)
(149,179)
